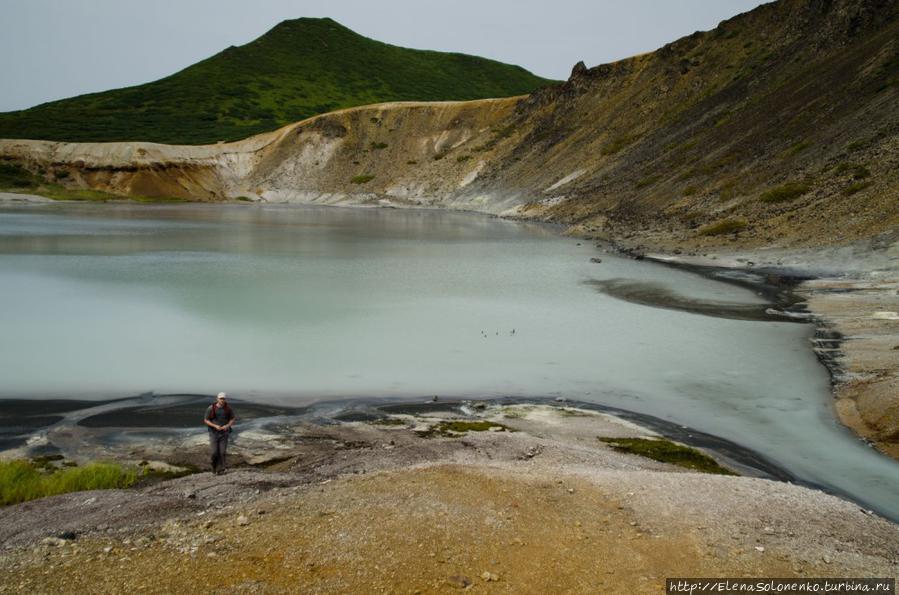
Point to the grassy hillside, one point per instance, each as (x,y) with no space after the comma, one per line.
(298,69)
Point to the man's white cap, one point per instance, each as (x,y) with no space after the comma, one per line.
(222,396)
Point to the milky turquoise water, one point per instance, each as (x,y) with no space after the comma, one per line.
(304,303)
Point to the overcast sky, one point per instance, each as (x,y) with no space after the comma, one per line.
(50,49)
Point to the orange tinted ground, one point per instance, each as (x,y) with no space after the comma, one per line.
(431,530)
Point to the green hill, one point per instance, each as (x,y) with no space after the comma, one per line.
(298,69)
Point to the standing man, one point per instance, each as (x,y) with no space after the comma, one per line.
(219,418)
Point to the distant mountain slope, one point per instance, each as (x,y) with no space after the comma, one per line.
(300,68)
(779,127)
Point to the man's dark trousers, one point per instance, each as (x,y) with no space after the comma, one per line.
(218,447)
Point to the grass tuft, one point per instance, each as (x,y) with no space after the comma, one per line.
(785,193)
(724,227)
(362,179)
(856,188)
(856,170)
(21,481)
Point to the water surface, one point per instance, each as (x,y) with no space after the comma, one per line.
(295,304)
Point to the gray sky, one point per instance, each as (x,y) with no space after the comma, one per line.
(50,49)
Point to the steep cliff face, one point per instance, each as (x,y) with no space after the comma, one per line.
(406,153)
(777,127)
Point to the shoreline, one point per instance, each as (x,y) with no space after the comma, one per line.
(181,415)
(400,506)
(171,429)
(856,318)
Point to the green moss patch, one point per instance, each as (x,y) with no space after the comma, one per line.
(666,451)
(451,429)
(388,421)
(570,412)
(362,179)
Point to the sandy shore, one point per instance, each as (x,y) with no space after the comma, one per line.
(537,504)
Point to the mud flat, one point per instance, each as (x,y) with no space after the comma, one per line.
(493,497)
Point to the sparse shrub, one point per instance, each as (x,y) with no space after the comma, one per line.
(854,146)
(728,190)
(374,120)
(723,227)
(691,190)
(858,171)
(797,148)
(362,179)
(504,132)
(462,158)
(412,162)
(647,181)
(786,192)
(378,146)
(439,156)
(616,144)
(14,176)
(857,187)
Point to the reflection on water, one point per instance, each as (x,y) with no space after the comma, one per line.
(298,304)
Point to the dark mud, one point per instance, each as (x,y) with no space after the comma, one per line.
(656,295)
